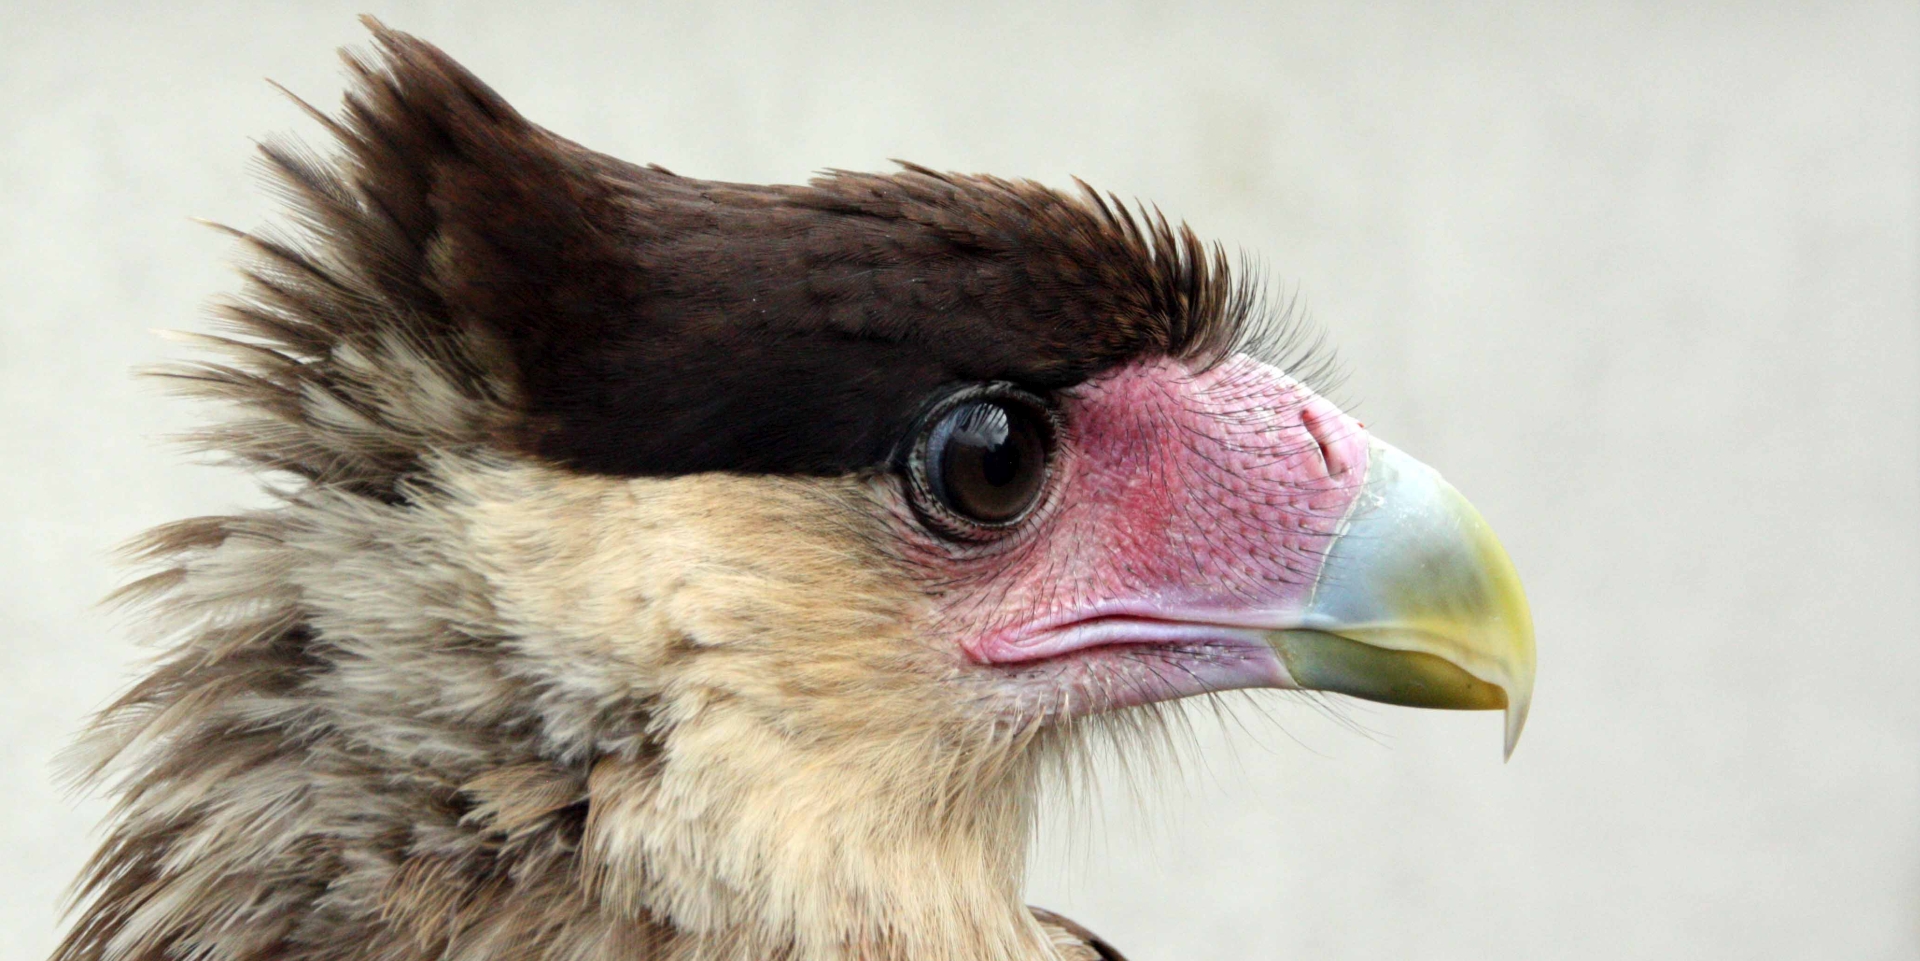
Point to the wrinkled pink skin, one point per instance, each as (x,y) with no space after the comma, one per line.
(1184,512)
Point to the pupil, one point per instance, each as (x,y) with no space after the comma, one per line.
(1001,464)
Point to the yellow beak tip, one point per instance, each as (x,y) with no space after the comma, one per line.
(1417,603)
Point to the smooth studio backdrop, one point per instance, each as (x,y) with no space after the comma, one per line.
(1641,279)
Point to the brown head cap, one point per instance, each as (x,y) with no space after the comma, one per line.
(657,324)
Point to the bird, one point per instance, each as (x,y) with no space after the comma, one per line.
(660,568)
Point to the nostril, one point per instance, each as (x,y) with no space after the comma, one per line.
(1324,427)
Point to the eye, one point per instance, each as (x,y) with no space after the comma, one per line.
(980,462)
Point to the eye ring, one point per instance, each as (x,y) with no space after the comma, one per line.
(980,459)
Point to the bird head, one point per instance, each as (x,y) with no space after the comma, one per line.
(659,562)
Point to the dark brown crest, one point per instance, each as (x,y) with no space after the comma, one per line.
(654,324)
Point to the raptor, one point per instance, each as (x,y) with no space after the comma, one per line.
(659,568)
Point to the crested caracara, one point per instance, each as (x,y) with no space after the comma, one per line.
(659,568)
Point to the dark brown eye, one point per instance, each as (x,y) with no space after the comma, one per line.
(983,456)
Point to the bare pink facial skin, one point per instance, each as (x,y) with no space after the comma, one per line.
(1186,511)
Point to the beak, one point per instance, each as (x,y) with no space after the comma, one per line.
(1416,603)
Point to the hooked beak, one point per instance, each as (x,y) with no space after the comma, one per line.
(1415,604)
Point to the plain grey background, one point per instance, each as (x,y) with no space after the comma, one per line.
(1642,279)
